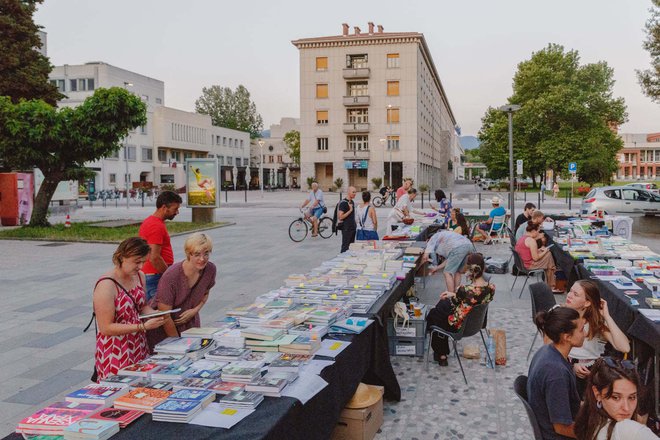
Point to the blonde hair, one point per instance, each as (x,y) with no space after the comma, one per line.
(197,241)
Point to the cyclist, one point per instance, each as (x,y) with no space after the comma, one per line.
(385,193)
(316,207)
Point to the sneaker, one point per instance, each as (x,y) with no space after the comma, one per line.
(442,361)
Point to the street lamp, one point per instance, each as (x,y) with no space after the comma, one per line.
(261,166)
(126,86)
(509,109)
(390,140)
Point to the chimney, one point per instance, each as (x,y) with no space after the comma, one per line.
(344,29)
(371,27)
(357,30)
(380,28)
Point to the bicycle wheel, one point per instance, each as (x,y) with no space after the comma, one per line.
(377,201)
(393,200)
(298,230)
(325,227)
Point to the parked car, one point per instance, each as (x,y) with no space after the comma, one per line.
(649,186)
(620,200)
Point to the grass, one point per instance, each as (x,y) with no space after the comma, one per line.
(83,231)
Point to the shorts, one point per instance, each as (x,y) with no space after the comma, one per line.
(456,258)
(151,285)
(484,226)
(317,212)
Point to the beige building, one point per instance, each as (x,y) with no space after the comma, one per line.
(640,157)
(370,102)
(276,161)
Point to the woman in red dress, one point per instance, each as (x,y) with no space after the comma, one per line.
(119,300)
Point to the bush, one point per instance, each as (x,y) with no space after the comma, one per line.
(339,183)
(582,190)
(503,185)
(424,187)
(310,180)
(168,187)
(377,182)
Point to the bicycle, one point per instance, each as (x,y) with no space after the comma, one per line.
(379,200)
(300,227)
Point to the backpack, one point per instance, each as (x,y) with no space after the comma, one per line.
(336,224)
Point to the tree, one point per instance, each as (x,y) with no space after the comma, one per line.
(650,79)
(472,155)
(60,141)
(230,109)
(292,141)
(567,111)
(23,70)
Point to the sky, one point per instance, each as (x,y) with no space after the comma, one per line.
(476,44)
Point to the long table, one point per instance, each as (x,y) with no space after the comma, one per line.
(366,360)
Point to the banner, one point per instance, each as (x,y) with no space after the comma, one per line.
(201,183)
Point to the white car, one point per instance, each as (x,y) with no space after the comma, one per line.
(623,200)
(649,186)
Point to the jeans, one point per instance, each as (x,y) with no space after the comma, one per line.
(152,285)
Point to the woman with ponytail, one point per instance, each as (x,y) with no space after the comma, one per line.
(451,310)
(551,386)
(610,404)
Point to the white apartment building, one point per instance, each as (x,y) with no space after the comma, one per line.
(276,161)
(373,102)
(153,154)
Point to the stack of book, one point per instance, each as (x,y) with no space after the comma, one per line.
(141,369)
(261,333)
(122,416)
(269,345)
(268,386)
(194,383)
(228,354)
(119,381)
(172,374)
(233,373)
(224,388)
(96,394)
(182,406)
(287,363)
(353,325)
(153,384)
(207,369)
(53,419)
(301,345)
(91,429)
(194,348)
(200,332)
(309,330)
(242,399)
(230,338)
(258,316)
(168,360)
(142,399)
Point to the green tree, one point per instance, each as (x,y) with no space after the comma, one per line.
(567,111)
(472,155)
(650,79)
(231,109)
(292,141)
(23,69)
(59,142)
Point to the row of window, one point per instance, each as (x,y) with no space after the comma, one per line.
(358,61)
(644,156)
(358,116)
(357,143)
(75,85)
(188,133)
(222,140)
(357,88)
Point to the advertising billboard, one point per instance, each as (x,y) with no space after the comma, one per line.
(201,183)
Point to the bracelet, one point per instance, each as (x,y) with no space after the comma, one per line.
(144,329)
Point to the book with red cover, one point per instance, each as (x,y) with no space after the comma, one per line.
(221,387)
(53,419)
(144,399)
(96,394)
(123,416)
(142,369)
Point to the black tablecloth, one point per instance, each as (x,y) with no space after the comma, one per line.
(627,316)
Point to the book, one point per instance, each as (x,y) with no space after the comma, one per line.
(268,386)
(119,381)
(122,416)
(227,354)
(143,399)
(222,387)
(194,383)
(168,359)
(309,330)
(200,332)
(53,419)
(91,429)
(174,410)
(97,394)
(203,396)
(156,385)
(352,325)
(286,365)
(262,333)
(159,313)
(272,345)
(302,344)
(242,399)
(172,373)
(141,369)
(233,373)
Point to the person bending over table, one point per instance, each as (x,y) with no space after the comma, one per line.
(402,209)
(451,310)
(455,249)
(584,297)
(119,300)
(457,223)
(185,285)
(403,189)
(551,389)
(484,228)
(534,257)
(610,406)
(444,207)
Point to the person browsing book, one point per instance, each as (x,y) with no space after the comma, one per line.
(367,222)
(119,300)
(186,286)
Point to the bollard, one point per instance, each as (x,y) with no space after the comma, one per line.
(422,200)
(143,199)
(226,190)
(539,202)
(479,200)
(525,196)
(570,201)
(246,194)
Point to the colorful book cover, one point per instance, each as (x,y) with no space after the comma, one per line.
(52,418)
(143,397)
(95,393)
(177,406)
(122,416)
(89,427)
(226,387)
(197,395)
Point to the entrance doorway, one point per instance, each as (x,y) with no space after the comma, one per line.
(397,173)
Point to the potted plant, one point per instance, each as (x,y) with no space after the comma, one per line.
(339,183)
(377,182)
(310,180)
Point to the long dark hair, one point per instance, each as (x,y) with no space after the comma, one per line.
(556,321)
(475,266)
(592,314)
(439,195)
(590,418)
(460,221)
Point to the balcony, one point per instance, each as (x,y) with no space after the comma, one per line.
(357,72)
(351,101)
(356,155)
(351,127)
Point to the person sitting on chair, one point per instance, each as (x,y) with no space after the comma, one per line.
(484,228)
(451,310)
(525,216)
(534,257)
(551,390)
(537,217)
(444,207)
(457,223)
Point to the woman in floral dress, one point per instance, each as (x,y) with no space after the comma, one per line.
(119,300)
(453,308)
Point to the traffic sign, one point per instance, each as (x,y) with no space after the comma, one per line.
(519,167)
(572,167)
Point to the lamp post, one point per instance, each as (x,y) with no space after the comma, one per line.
(389,141)
(126,86)
(261,166)
(509,109)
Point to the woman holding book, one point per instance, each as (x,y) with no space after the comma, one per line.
(119,300)
(185,285)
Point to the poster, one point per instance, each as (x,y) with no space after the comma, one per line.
(201,183)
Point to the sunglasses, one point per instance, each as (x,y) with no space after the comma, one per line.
(616,363)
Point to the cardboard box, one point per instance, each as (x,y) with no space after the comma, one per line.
(360,424)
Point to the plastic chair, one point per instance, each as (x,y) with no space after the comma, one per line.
(499,232)
(522,270)
(520,388)
(542,300)
(473,324)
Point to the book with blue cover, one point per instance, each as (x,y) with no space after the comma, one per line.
(196,395)
(96,394)
(175,410)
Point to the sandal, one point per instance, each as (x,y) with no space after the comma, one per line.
(442,361)
(315,235)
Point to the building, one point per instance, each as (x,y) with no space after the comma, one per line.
(276,161)
(640,157)
(153,154)
(373,102)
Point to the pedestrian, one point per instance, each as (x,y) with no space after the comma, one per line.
(154,231)
(366,218)
(346,216)
(403,189)
(555,190)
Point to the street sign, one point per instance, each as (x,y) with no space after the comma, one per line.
(572,167)
(519,167)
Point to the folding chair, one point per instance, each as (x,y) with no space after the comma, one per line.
(512,241)
(473,324)
(499,232)
(542,300)
(520,388)
(522,270)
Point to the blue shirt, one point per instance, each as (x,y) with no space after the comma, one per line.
(495,212)
(552,391)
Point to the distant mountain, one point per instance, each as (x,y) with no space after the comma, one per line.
(469,142)
(265,133)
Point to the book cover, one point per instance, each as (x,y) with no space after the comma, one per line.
(122,416)
(52,419)
(142,398)
(177,406)
(92,427)
(222,387)
(197,395)
(95,393)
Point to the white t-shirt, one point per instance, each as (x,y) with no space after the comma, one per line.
(627,430)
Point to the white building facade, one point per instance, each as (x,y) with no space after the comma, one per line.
(276,161)
(373,102)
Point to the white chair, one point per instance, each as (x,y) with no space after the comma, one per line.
(499,232)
